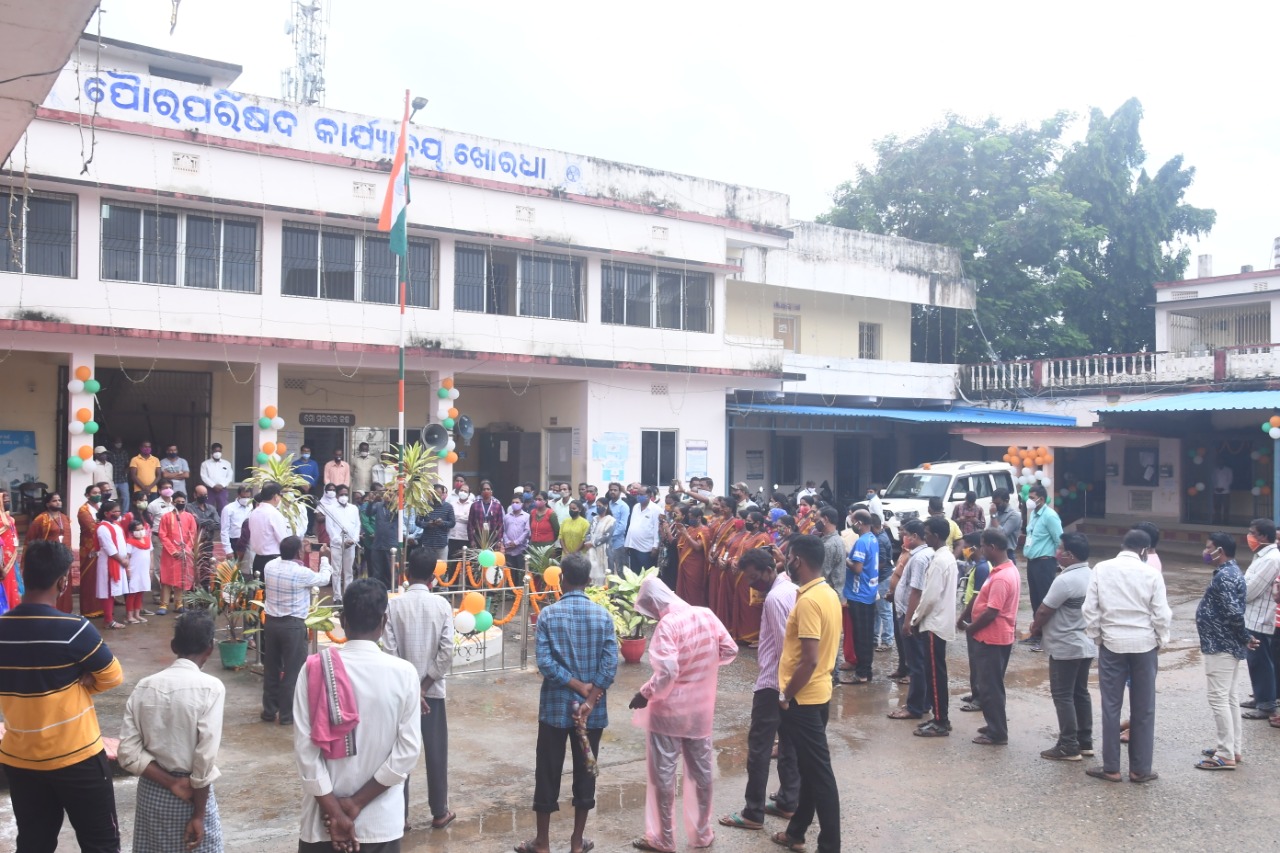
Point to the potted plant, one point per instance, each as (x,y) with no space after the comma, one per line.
(618,596)
(234,599)
(294,499)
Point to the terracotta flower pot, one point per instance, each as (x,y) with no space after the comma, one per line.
(632,649)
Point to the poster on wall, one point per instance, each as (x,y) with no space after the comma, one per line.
(755,464)
(611,450)
(695,459)
(19,462)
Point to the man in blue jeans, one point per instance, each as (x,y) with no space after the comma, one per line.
(1044,532)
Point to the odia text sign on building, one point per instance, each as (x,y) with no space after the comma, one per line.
(326,419)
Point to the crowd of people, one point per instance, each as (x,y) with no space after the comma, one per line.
(816,594)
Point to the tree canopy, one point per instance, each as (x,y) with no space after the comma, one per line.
(1063,242)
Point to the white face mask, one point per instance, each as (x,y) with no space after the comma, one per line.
(364,454)
(343,500)
(462,496)
(330,493)
(1031,503)
(217,455)
(242,501)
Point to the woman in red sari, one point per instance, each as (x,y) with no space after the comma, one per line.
(745,607)
(723,592)
(87,518)
(804,515)
(721,530)
(52,525)
(692,540)
(8,555)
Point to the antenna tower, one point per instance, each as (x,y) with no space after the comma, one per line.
(308,26)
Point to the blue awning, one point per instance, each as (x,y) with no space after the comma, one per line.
(1203,401)
(968,415)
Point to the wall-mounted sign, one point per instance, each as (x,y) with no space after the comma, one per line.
(786,306)
(326,419)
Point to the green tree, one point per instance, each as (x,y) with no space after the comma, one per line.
(1144,220)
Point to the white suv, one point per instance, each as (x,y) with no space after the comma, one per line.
(907,496)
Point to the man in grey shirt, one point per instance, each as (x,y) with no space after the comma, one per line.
(1006,518)
(826,527)
(912,577)
(1060,623)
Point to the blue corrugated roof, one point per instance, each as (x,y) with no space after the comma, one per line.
(955,415)
(1203,401)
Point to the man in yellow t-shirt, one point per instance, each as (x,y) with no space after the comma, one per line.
(144,471)
(804,681)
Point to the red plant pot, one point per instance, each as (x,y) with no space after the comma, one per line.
(632,649)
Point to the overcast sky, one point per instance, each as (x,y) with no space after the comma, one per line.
(786,96)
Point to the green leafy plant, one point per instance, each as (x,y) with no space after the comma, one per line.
(618,596)
(230,597)
(294,497)
(321,616)
(419,464)
(539,558)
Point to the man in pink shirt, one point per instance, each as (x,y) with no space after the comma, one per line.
(995,617)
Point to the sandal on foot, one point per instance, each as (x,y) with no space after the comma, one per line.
(1099,773)
(783,840)
(587,846)
(1124,736)
(1210,753)
(772,809)
(737,821)
(643,844)
(1215,763)
(970,706)
(526,847)
(1255,715)
(116,626)
(903,714)
(443,821)
(1148,777)
(987,740)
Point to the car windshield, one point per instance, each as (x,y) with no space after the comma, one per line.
(920,486)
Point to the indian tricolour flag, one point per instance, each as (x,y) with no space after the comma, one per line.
(395,204)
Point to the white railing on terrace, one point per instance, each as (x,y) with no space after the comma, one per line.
(1225,364)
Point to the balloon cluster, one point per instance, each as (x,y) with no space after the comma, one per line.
(1028,467)
(83,423)
(472,618)
(271,420)
(1260,486)
(1271,426)
(450,418)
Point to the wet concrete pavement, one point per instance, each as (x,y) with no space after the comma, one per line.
(898,792)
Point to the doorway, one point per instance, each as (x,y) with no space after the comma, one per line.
(559,456)
(786,328)
(848,474)
(323,441)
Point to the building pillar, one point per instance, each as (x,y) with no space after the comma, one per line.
(437,378)
(266,395)
(80,363)
(444,291)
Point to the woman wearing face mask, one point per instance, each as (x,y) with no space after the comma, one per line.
(722,594)
(113,551)
(672,518)
(600,537)
(746,606)
(327,503)
(692,539)
(544,529)
(722,529)
(805,515)
(138,541)
(573,532)
(87,518)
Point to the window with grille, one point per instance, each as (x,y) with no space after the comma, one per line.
(869,340)
(350,266)
(655,297)
(156,245)
(494,280)
(37,233)
(657,456)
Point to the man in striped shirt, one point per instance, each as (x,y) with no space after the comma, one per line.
(51,664)
(1259,618)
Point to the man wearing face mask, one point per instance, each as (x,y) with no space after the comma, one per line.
(873,502)
(118,457)
(362,468)
(144,470)
(216,474)
(100,469)
(1260,618)
(1044,532)
(461,500)
(642,532)
(174,467)
(234,515)
(342,523)
(560,502)
(177,536)
(336,471)
(621,511)
(1224,642)
(308,469)
(209,523)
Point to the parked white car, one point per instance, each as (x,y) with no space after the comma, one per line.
(907,495)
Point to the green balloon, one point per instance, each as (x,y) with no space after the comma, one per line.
(262,458)
(264,423)
(92,386)
(442,452)
(91,427)
(447,423)
(75,463)
(1266,427)
(486,558)
(484,621)
(443,393)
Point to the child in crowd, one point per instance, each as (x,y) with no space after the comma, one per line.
(139,570)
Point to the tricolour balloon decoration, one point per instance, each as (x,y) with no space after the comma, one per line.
(82,423)
(270,420)
(1028,469)
(450,419)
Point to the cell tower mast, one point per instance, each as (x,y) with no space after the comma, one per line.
(308,27)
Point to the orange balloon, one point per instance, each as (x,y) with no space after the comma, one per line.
(83,373)
(1191,491)
(1275,420)
(1012,449)
(280,448)
(453,413)
(451,457)
(85,453)
(441,568)
(448,382)
(499,558)
(1048,460)
(268,447)
(551,576)
(1266,490)
(271,411)
(84,415)
(473,602)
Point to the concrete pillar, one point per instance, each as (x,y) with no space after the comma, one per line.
(266,392)
(444,468)
(445,265)
(79,479)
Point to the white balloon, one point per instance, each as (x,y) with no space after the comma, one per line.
(464,622)
(76,428)
(453,393)
(1026,472)
(492,574)
(442,411)
(1274,432)
(277,423)
(1047,482)
(452,446)
(1199,487)
(1256,491)
(75,386)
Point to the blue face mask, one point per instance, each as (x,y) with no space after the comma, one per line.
(306,456)
(528,496)
(644,499)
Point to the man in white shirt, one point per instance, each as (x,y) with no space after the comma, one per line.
(287,600)
(462,500)
(1127,614)
(170,738)
(342,523)
(101,469)
(930,622)
(384,471)
(642,532)
(267,528)
(362,465)
(419,629)
(873,502)
(359,797)
(234,515)
(561,500)
(1260,618)
(216,474)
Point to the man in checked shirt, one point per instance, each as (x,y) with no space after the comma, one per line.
(578,658)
